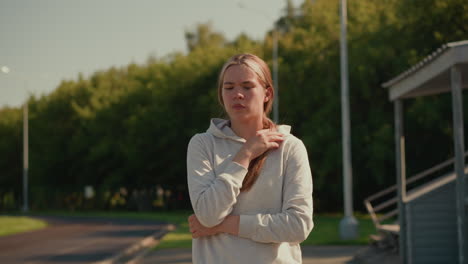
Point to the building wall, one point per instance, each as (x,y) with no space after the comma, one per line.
(432,227)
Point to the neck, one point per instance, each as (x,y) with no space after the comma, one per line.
(246,128)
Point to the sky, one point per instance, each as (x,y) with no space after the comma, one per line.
(47,41)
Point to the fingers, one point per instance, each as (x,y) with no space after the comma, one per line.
(199,231)
(193,230)
(191,221)
(194,226)
(268,132)
(274,135)
(276,138)
(274,145)
(271,136)
(263,141)
(262,131)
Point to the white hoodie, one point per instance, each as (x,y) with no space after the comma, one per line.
(275,214)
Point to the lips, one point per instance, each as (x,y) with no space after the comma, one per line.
(238,106)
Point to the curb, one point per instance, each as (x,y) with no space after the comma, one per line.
(137,251)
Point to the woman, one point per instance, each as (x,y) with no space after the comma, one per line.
(249,180)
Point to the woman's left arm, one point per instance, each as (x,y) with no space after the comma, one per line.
(293,224)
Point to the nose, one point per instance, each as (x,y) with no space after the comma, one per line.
(238,94)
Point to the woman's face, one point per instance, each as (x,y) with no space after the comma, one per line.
(243,94)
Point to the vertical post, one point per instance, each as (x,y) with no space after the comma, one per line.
(401,177)
(348,225)
(275,76)
(459,145)
(25,157)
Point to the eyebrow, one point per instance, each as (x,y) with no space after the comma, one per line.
(245,82)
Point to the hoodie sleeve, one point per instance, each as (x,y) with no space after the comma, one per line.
(212,196)
(294,223)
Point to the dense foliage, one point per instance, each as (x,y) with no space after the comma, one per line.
(125,130)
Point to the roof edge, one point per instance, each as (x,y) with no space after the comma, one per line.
(426,60)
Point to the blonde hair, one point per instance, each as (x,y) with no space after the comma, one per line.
(260,68)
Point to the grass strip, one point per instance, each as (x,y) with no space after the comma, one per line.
(10,225)
(326,230)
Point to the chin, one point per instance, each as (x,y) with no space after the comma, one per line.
(244,117)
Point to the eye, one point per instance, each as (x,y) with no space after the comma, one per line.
(228,87)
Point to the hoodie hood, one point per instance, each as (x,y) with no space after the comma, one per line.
(221,128)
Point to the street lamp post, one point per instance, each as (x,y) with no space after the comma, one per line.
(25,207)
(275,76)
(349,224)
(25,156)
(275,63)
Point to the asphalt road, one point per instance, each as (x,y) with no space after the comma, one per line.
(75,240)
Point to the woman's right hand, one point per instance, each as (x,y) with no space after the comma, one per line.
(255,146)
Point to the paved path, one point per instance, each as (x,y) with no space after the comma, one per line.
(311,255)
(329,254)
(75,240)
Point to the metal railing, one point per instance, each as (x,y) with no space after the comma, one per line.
(375,211)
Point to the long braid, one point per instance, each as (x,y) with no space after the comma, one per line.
(256,164)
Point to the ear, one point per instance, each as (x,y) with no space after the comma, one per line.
(268,94)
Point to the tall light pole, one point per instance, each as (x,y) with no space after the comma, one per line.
(275,62)
(25,207)
(275,76)
(25,156)
(349,224)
